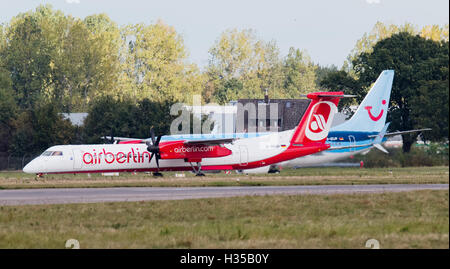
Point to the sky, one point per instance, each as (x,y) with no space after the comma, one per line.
(326,29)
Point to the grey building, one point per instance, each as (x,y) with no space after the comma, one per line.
(77,119)
(265,115)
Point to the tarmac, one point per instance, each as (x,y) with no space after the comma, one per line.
(129,194)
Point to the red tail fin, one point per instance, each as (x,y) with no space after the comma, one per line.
(316,123)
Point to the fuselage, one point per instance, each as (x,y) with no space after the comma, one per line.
(217,154)
(244,154)
(335,139)
(352,140)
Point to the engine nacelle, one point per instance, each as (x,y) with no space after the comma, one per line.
(178,150)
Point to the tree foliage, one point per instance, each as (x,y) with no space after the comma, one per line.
(125,118)
(382,31)
(40,128)
(241,60)
(127,76)
(8,110)
(27,56)
(299,74)
(420,88)
(340,80)
(154,64)
(60,59)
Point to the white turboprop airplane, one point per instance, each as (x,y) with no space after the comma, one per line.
(211,154)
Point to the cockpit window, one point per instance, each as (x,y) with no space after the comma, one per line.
(52,153)
(47,153)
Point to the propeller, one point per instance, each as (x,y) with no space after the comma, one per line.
(153,147)
(110,139)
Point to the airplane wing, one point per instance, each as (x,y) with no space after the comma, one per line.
(210,142)
(117,138)
(403,132)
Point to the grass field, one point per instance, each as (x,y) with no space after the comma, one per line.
(417,219)
(304,176)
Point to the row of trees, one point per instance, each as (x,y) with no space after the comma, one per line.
(126,77)
(52,57)
(420,91)
(243,66)
(51,63)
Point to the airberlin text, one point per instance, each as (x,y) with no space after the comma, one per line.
(193,149)
(134,155)
(96,157)
(243,258)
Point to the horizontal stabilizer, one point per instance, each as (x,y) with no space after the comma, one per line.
(380,147)
(404,132)
(377,141)
(331,95)
(379,138)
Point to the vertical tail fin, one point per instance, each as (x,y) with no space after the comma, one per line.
(371,113)
(316,123)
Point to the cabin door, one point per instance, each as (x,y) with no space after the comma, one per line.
(243,155)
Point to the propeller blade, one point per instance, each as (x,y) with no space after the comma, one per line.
(157,161)
(152,133)
(158,139)
(154,148)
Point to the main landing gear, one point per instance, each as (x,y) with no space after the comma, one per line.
(157,174)
(198,171)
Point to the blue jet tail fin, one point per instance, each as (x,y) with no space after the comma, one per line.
(371,113)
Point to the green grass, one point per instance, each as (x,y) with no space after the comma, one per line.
(418,219)
(305,176)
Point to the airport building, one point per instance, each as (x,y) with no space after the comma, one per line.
(257,115)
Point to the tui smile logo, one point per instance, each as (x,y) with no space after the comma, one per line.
(371,116)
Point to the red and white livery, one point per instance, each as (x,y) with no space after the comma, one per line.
(219,154)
